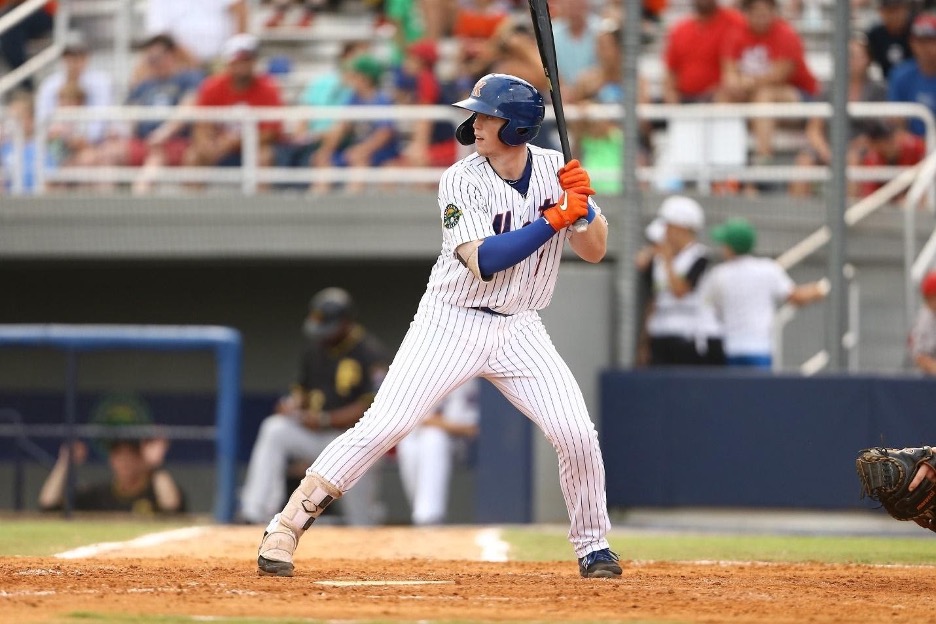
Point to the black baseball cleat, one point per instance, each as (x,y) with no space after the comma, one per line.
(269,567)
(599,564)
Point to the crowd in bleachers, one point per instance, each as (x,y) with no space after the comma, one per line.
(432,51)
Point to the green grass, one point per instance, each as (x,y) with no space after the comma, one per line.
(538,544)
(42,537)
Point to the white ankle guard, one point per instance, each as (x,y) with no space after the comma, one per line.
(307,502)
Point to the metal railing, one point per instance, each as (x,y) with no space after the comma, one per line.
(916,181)
(850,340)
(249,176)
(45,57)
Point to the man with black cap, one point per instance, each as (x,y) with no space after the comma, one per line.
(889,39)
(339,373)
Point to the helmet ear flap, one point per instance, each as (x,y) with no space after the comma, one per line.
(464,134)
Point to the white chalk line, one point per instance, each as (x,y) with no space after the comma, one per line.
(144,541)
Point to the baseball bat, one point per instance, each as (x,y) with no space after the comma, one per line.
(542,29)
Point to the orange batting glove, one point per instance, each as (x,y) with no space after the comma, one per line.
(571,207)
(573,177)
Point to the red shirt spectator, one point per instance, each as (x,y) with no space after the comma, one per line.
(754,52)
(220,90)
(888,146)
(219,144)
(694,51)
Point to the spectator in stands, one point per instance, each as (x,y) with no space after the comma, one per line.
(67,140)
(510,50)
(219,144)
(914,80)
(887,144)
(326,89)
(412,21)
(764,62)
(745,292)
(155,143)
(654,235)
(308,10)
(861,88)
(431,142)
(600,141)
(575,29)
(474,28)
(139,482)
(693,53)
(13,42)
(370,143)
(341,367)
(95,84)
(889,39)
(19,113)
(426,455)
(682,330)
(922,341)
(200,28)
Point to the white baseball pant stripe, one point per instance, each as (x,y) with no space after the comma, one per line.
(445,347)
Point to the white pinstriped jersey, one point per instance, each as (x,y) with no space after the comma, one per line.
(476,203)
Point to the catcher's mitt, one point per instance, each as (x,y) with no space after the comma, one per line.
(885,474)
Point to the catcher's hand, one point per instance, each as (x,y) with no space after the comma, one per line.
(886,475)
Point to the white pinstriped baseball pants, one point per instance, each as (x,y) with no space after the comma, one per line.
(444,347)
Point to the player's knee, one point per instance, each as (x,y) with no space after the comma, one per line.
(578,436)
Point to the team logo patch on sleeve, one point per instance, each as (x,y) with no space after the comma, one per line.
(451,216)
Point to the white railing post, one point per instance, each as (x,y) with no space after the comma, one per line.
(40,138)
(250,150)
(852,338)
(784,315)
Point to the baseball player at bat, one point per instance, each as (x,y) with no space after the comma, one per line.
(505,212)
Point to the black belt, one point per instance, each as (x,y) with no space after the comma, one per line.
(490,311)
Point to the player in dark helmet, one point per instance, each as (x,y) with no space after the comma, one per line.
(507,97)
(339,371)
(331,315)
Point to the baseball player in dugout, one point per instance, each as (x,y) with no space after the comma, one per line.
(505,213)
(340,370)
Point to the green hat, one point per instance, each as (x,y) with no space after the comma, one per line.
(737,233)
(366,65)
(117,411)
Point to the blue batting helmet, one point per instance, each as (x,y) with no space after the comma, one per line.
(506,97)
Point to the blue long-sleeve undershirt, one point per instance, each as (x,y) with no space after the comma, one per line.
(502,251)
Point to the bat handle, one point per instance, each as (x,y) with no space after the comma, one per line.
(580,225)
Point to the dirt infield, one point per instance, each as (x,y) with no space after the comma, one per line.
(348,574)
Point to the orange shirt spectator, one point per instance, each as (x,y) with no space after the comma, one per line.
(478,19)
(694,51)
